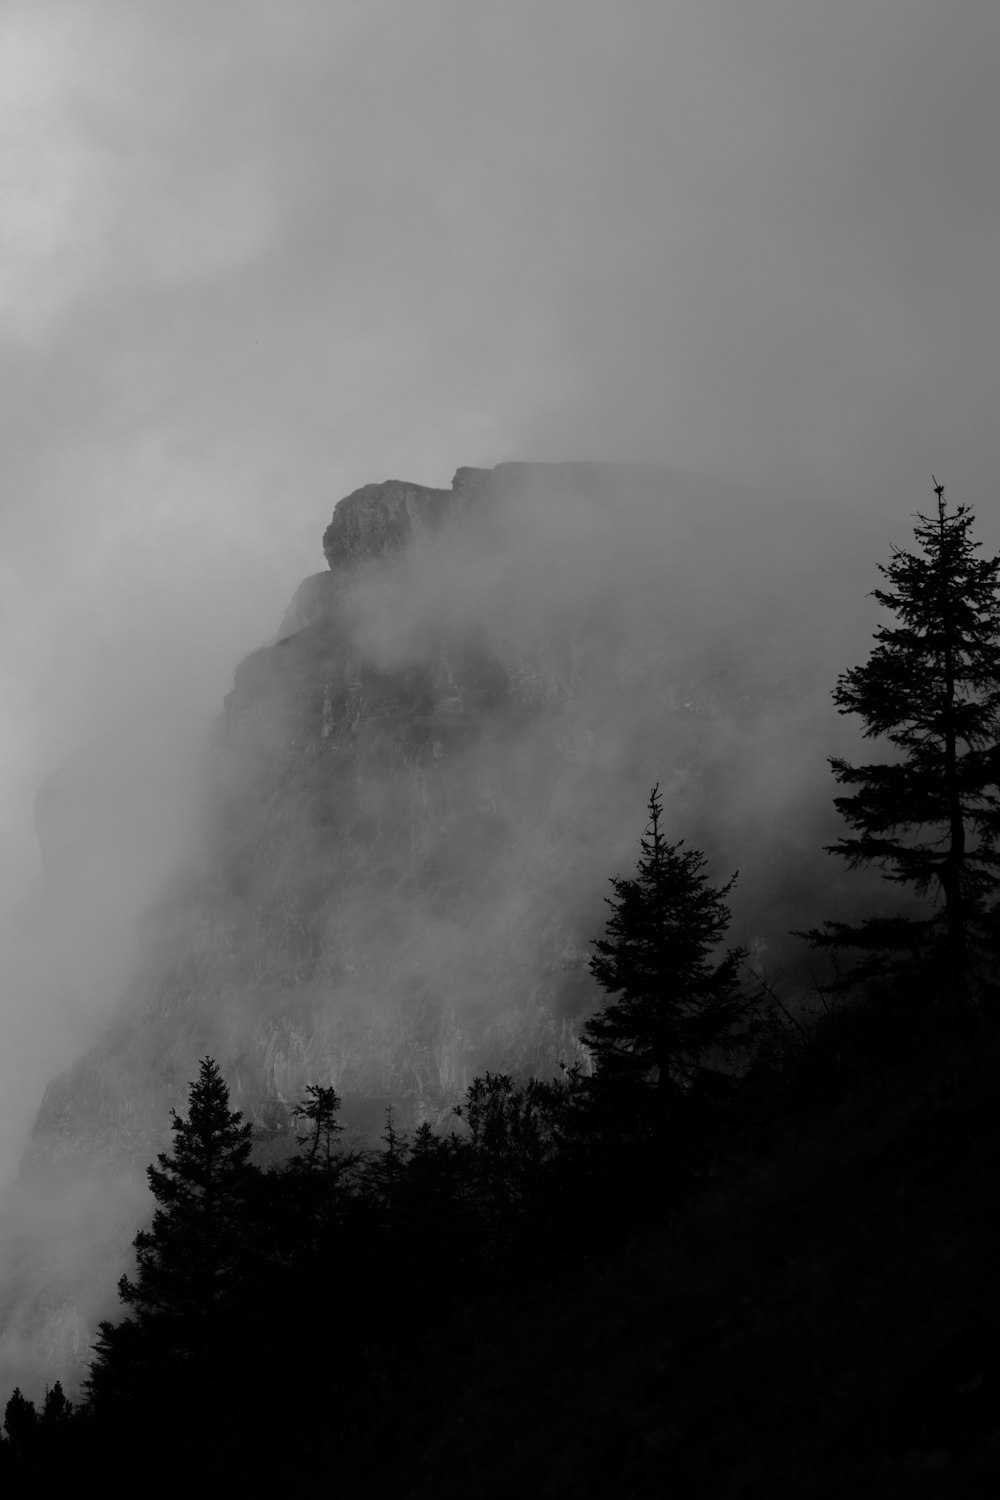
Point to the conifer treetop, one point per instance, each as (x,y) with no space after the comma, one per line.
(929,816)
(671,1001)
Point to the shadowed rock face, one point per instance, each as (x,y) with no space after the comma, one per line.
(415,797)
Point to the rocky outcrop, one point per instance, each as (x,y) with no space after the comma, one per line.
(379,903)
(380,519)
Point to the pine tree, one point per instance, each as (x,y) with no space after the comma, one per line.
(319,1110)
(20,1422)
(674,1004)
(56,1409)
(191,1257)
(508,1135)
(317,1190)
(929,817)
(385,1171)
(197,1236)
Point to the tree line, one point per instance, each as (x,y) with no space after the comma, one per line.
(275,1301)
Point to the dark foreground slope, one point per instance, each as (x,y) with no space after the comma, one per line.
(815,1316)
(823,1323)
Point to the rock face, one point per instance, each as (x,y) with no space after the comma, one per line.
(380,903)
(415,797)
(383,518)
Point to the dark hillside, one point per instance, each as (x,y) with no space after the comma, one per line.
(825,1323)
(813,1315)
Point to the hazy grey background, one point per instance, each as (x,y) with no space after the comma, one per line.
(253,255)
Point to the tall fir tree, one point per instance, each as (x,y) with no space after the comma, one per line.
(673,1003)
(190,1259)
(930,816)
(21,1423)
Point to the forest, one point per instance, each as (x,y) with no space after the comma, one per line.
(743,1251)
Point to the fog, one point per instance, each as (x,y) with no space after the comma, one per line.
(650,626)
(252,257)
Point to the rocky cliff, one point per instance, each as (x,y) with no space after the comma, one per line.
(414,798)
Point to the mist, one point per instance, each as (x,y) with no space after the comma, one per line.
(254,257)
(653,627)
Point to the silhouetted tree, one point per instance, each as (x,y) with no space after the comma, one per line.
(384,1172)
(674,1004)
(41,1452)
(190,1258)
(319,1110)
(197,1237)
(508,1135)
(20,1421)
(318,1184)
(56,1409)
(930,816)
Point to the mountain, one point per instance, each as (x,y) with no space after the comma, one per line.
(412,803)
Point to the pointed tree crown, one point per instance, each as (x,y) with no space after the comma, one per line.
(211,1147)
(196,1236)
(941,659)
(672,1000)
(929,818)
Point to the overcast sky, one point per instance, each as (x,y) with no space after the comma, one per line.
(255,254)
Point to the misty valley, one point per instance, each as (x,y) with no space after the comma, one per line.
(529,1078)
